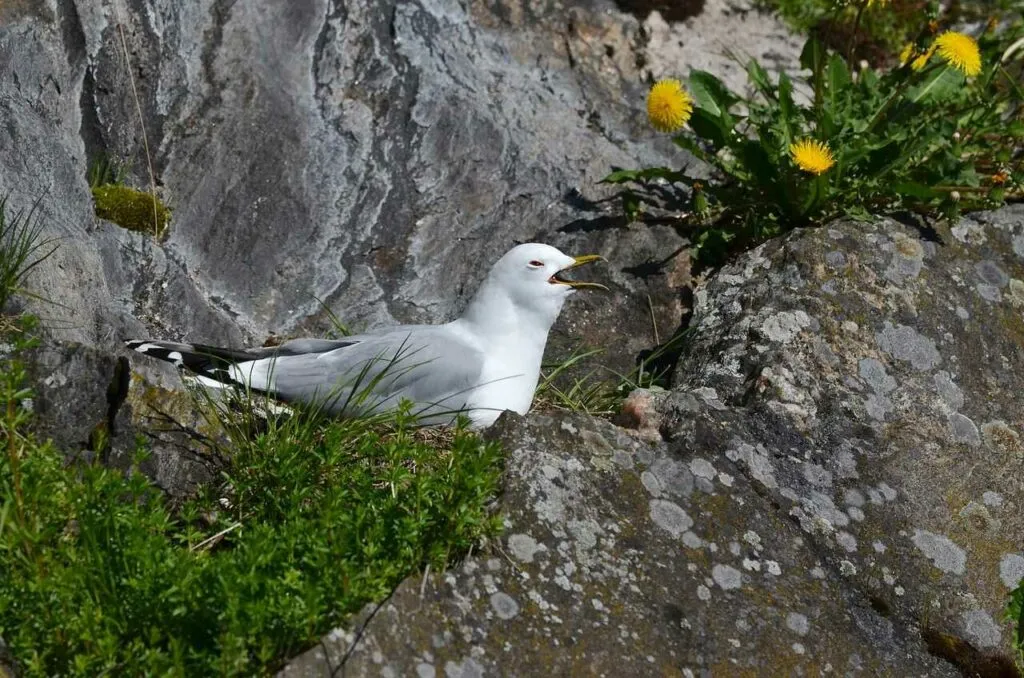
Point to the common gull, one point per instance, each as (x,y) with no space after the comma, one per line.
(481,364)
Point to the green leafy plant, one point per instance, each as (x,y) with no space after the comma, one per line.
(937,135)
(1015,615)
(314,519)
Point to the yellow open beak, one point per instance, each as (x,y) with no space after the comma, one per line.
(556,279)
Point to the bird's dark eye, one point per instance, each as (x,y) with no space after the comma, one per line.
(536,264)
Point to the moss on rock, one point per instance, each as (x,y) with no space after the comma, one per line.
(131,209)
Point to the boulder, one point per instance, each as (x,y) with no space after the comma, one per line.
(833,484)
(90,405)
(624,558)
(878,369)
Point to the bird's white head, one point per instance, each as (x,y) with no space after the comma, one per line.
(533,277)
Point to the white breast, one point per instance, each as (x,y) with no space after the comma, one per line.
(502,387)
(508,379)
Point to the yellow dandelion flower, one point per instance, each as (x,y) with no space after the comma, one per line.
(812,156)
(876,3)
(668,105)
(960,50)
(918,60)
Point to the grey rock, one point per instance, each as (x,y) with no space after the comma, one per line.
(635,598)
(334,152)
(932,464)
(87,403)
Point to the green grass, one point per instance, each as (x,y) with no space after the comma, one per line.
(22,248)
(311,520)
(571,384)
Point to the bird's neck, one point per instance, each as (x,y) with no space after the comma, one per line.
(495,317)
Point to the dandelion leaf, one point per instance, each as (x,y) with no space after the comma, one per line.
(937,86)
(711,94)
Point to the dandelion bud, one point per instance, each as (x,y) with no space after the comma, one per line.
(700,203)
(954,196)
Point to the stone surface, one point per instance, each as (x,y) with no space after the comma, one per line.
(887,422)
(345,153)
(836,484)
(87,402)
(625,563)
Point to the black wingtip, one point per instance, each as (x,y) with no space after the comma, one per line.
(207,361)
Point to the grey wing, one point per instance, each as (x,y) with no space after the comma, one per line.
(304,346)
(428,365)
(309,345)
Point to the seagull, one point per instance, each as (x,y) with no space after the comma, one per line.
(481,364)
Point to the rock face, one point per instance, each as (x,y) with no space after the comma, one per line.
(376,156)
(836,487)
(878,372)
(373,155)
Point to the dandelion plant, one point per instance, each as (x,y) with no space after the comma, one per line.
(938,131)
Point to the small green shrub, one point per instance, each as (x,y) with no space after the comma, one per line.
(1015,614)
(937,135)
(131,209)
(314,519)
